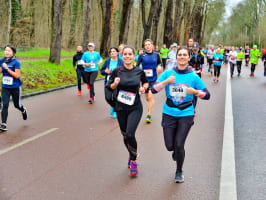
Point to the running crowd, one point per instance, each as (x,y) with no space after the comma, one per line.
(130,73)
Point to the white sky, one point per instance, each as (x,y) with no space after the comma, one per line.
(229,4)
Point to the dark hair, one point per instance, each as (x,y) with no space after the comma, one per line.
(129,47)
(115,48)
(13,48)
(183,48)
(148,40)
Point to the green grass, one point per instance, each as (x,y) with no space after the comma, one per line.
(42,75)
(38,52)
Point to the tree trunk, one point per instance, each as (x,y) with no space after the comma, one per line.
(187,21)
(124,23)
(56,32)
(147,25)
(168,28)
(71,40)
(86,25)
(106,31)
(156,21)
(32,31)
(9,21)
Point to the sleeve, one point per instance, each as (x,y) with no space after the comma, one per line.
(83,58)
(17,65)
(139,60)
(162,77)
(190,63)
(158,60)
(202,59)
(199,85)
(112,78)
(104,67)
(74,61)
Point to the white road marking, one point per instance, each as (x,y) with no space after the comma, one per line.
(228,172)
(27,141)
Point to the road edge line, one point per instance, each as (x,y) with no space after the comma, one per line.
(27,141)
(228,171)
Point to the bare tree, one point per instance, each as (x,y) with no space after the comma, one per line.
(168,28)
(56,32)
(106,6)
(156,20)
(124,23)
(9,21)
(86,26)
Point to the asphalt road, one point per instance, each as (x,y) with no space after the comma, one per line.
(84,156)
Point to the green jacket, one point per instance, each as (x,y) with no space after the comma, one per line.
(164,53)
(254,56)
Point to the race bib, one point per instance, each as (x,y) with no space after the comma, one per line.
(92,65)
(148,72)
(216,59)
(81,62)
(126,97)
(7,80)
(164,56)
(108,77)
(232,58)
(177,90)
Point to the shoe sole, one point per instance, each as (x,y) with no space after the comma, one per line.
(179,181)
(90,102)
(3,130)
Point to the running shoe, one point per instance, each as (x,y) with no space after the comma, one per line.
(79,93)
(24,114)
(90,100)
(148,119)
(88,86)
(111,111)
(179,177)
(133,168)
(3,127)
(114,115)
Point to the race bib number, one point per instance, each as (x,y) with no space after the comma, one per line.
(177,90)
(92,65)
(126,97)
(7,80)
(149,72)
(81,62)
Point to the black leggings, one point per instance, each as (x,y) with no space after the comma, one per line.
(80,73)
(239,64)
(264,68)
(164,63)
(90,78)
(253,66)
(232,68)
(128,122)
(175,130)
(6,93)
(217,70)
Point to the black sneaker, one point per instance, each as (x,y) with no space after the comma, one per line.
(24,114)
(3,127)
(179,177)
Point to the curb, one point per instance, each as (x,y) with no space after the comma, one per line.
(51,90)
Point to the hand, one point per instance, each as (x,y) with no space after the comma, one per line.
(75,67)
(202,73)
(107,71)
(172,78)
(142,90)
(5,66)
(117,81)
(159,69)
(191,90)
(169,60)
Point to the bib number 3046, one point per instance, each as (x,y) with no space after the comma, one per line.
(126,97)
(7,80)
(177,90)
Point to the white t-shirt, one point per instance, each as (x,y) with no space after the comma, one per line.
(232,57)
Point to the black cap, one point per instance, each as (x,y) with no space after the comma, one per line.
(195,45)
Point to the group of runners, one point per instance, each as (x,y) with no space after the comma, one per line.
(128,75)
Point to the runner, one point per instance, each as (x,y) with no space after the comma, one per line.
(232,60)
(157,50)
(121,46)
(140,51)
(189,45)
(210,54)
(78,66)
(264,62)
(172,56)
(217,63)
(180,84)
(11,84)
(247,55)
(254,59)
(151,64)
(129,109)
(226,54)
(109,65)
(164,53)
(239,59)
(92,59)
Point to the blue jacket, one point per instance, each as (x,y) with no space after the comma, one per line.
(106,65)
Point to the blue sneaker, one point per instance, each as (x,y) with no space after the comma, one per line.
(111,111)
(114,115)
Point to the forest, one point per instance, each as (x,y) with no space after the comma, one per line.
(57,24)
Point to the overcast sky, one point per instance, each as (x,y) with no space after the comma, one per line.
(229,5)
